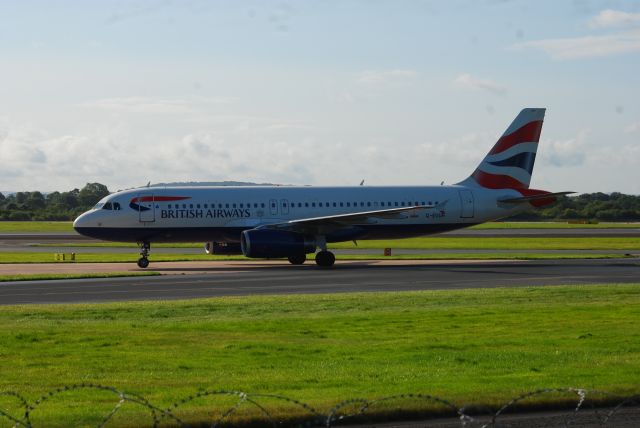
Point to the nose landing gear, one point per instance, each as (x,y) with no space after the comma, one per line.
(145,248)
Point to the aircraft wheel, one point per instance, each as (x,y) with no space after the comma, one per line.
(297,259)
(325,259)
(143,262)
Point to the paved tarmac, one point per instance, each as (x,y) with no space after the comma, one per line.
(212,279)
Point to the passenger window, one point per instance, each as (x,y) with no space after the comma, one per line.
(348,204)
(313,204)
(334,204)
(255,205)
(191,206)
(198,206)
(326,204)
(169,206)
(341,204)
(241,205)
(382,204)
(362,204)
(184,206)
(262,205)
(306,204)
(320,204)
(299,204)
(368,204)
(234,205)
(226,205)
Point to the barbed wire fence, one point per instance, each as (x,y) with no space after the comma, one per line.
(606,409)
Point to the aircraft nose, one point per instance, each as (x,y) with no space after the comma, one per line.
(81,222)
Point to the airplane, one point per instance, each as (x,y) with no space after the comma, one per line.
(293,221)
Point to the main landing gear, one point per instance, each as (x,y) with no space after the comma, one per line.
(145,248)
(325,259)
(298,259)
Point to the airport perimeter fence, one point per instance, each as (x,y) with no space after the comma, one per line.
(581,407)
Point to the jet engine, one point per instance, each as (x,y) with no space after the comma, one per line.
(266,243)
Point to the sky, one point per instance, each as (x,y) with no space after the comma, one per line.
(320,92)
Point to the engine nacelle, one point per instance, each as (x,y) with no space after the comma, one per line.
(223,248)
(266,243)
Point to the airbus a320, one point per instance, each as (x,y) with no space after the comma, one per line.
(293,222)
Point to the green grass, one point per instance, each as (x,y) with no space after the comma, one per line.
(440,242)
(472,346)
(48,276)
(36,226)
(38,257)
(507,243)
(552,225)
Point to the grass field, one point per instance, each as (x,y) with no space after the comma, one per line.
(473,346)
(38,257)
(67,226)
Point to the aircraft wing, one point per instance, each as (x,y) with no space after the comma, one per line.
(326,224)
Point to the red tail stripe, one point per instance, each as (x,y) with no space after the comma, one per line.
(495,181)
(527,133)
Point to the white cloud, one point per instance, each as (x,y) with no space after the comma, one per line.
(633,128)
(154,105)
(564,153)
(465,151)
(614,18)
(588,46)
(386,76)
(469,81)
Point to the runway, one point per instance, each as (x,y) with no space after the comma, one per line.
(188,280)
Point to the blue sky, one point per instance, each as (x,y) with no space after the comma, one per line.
(314,92)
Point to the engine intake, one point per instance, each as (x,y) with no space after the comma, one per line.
(266,243)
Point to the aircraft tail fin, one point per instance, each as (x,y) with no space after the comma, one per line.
(509,164)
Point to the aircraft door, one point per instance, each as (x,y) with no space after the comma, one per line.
(146,208)
(273,207)
(284,206)
(466,203)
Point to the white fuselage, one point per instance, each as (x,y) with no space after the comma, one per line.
(187,214)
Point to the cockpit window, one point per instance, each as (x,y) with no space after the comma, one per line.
(98,205)
(107,206)
(116,206)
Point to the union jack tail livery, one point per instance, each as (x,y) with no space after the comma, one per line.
(509,164)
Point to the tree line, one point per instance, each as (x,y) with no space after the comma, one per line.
(589,207)
(25,206)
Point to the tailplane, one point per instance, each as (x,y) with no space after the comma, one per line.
(509,164)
